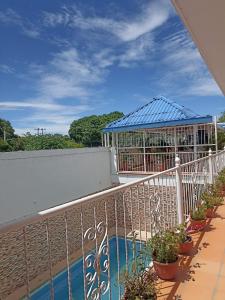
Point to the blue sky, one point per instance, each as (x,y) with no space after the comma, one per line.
(62,60)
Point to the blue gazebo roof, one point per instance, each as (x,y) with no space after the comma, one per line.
(159,112)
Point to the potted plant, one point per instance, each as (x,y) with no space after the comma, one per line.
(215,194)
(185,240)
(139,285)
(208,204)
(198,218)
(138,282)
(217,200)
(220,183)
(164,249)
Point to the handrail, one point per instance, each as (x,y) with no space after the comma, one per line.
(42,215)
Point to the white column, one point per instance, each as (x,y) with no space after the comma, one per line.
(175,140)
(216,137)
(113,139)
(144,153)
(195,130)
(105,141)
(210,167)
(179,192)
(117,151)
(108,144)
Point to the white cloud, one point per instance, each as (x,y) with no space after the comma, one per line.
(10,17)
(183,72)
(68,75)
(40,105)
(205,87)
(6,69)
(151,17)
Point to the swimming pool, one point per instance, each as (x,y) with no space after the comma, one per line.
(76,272)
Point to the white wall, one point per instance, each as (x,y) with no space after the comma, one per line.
(36,180)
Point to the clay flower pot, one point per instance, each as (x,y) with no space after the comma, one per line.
(198,223)
(210,212)
(166,271)
(186,247)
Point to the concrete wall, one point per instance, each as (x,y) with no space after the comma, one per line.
(37,180)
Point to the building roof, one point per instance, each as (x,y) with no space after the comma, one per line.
(159,112)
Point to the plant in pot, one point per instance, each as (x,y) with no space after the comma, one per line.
(138,282)
(220,183)
(215,194)
(208,203)
(198,218)
(217,200)
(139,285)
(185,241)
(164,249)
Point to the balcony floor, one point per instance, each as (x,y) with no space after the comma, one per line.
(202,273)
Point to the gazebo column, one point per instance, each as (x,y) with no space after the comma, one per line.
(117,151)
(113,139)
(105,141)
(195,130)
(108,139)
(216,141)
(175,141)
(144,152)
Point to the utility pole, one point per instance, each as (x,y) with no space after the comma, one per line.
(38,130)
(4,135)
(42,131)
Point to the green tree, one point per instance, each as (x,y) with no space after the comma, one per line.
(221,133)
(48,141)
(4,146)
(87,130)
(7,127)
(222,117)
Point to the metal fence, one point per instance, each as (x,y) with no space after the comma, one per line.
(137,162)
(102,233)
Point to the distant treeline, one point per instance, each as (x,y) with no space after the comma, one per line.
(85,132)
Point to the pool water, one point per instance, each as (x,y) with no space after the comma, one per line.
(76,272)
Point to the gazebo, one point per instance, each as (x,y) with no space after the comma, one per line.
(148,139)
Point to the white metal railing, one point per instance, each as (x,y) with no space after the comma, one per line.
(135,162)
(99,229)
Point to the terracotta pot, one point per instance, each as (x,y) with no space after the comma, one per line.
(186,247)
(210,212)
(222,191)
(166,271)
(197,224)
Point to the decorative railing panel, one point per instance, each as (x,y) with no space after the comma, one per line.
(99,230)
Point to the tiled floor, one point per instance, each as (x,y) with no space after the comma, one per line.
(202,273)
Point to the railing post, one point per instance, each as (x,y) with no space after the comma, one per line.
(223,160)
(210,167)
(180,211)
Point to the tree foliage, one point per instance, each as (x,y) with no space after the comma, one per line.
(48,141)
(222,117)
(41,142)
(221,133)
(7,127)
(87,130)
